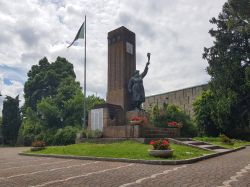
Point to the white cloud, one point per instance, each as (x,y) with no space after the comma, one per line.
(175,32)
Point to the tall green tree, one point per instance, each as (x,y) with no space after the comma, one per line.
(11,120)
(51,89)
(228,61)
(205,114)
(44,79)
(65,108)
(53,102)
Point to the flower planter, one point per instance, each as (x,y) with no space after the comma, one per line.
(161,153)
(37,148)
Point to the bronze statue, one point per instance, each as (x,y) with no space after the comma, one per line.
(135,86)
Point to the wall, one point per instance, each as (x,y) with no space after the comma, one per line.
(183,98)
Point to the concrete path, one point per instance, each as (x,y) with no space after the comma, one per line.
(232,169)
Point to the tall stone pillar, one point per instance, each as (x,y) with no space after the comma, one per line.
(121,66)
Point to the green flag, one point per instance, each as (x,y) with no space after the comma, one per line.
(80,34)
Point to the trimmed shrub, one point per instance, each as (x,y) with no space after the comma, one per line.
(91,133)
(226,140)
(65,136)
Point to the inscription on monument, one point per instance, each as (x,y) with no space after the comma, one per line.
(97,119)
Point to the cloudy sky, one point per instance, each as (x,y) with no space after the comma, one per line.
(175,32)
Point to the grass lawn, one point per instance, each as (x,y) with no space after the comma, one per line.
(217,141)
(125,149)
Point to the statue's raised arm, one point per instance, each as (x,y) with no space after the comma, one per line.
(144,73)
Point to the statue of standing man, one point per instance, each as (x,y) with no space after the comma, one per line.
(135,86)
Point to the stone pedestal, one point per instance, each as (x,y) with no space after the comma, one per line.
(124,131)
(105,115)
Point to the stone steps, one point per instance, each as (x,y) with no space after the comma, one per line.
(193,142)
(201,145)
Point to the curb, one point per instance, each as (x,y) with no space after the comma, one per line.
(154,162)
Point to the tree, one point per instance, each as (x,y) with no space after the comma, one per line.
(53,101)
(205,114)
(44,79)
(50,89)
(11,120)
(32,126)
(70,100)
(65,108)
(229,69)
(241,9)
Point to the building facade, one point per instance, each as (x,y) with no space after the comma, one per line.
(183,98)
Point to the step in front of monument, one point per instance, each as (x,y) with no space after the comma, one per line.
(195,142)
(209,146)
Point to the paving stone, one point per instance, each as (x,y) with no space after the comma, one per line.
(210,172)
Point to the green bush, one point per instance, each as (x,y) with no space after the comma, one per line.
(226,140)
(205,114)
(28,139)
(47,137)
(86,133)
(65,136)
(160,117)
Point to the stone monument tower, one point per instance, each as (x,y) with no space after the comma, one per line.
(121,66)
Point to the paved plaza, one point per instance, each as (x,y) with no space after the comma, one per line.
(232,169)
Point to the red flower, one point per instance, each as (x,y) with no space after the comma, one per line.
(165,142)
(174,124)
(162,144)
(141,120)
(152,142)
(136,118)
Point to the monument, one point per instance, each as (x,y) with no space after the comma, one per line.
(121,66)
(125,91)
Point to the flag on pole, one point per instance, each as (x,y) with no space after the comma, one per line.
(80,34)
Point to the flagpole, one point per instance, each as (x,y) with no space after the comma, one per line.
(85,36)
